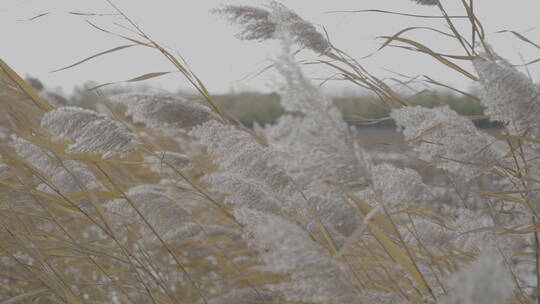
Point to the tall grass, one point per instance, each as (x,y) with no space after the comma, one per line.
(161,199)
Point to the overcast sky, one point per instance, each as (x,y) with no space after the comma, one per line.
(207,42)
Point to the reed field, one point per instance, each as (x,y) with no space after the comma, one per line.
(291,197)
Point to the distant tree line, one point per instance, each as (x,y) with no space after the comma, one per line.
(254,107)
(363,111)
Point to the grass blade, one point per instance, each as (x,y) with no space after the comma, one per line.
(118,48)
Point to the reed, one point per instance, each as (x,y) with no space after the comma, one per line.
(154,198)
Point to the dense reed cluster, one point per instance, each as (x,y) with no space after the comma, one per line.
(154,198)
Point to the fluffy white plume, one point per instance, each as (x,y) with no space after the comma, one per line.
(484,281)
(260,190)
(157,163)
(509,96)
(315,149)
(449,140)
(167,216)
(318,145)
(399,188)
(271,21)
(163,111)
(90,131)
(332,210)
(256,21)
(318,149)
(251,175)
(476,232)
(51,166)
(428,232)
(285,248)
(247,170)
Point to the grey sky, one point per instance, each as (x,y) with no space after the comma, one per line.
(207,43)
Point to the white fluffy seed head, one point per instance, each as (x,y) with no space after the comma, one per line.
(256,21)
(64,175)
(399,188)
(509,96)
(160,162)
(160,111)
(264,23)
(484,281)
(248,171)
(91,132)
(448,139)
(285,248)
(169,219)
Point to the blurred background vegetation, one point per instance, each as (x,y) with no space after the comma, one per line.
(249,107)
(264,108)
